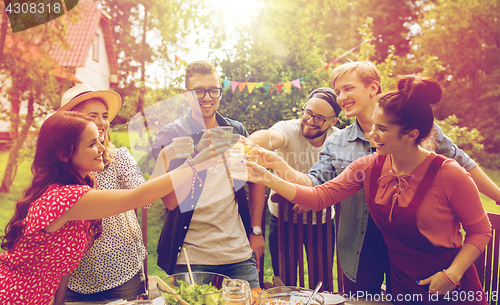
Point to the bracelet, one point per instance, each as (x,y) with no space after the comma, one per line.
(195,176)
(449,279)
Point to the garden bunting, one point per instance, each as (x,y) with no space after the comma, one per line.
(287,86)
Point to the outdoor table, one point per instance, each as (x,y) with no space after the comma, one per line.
(359,301)
(143,302)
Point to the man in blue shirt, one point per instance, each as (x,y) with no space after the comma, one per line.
(213,224)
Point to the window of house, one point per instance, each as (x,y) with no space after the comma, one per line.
(95,48)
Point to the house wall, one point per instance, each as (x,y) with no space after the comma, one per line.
(96,74)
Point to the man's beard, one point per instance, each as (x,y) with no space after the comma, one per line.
(318,132)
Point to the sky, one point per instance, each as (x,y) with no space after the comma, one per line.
(234,12)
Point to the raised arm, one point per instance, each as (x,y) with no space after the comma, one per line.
(96,204)
(322,171)
(484,184)
(166,155)
(269,139)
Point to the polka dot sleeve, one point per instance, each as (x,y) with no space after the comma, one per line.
(51,205)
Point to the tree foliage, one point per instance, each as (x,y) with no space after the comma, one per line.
(464,36)
(30,77)
(144,33)
(286,41)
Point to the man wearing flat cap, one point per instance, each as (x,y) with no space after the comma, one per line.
(299,142)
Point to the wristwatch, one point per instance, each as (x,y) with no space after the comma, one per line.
(256,230)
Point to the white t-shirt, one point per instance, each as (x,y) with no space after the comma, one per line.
(299,154)
(216,235)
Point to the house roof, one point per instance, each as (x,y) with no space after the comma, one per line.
(80,36)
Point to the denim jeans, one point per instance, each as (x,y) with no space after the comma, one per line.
(373,264)
(245,270)
(274,242)
(130,290)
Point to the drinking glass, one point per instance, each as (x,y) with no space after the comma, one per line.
(183,146)
(226,134)
(251,151)
(236,292)
(236,160)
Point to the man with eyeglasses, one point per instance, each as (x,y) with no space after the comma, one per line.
(213,224)
(299,143)
(363,254)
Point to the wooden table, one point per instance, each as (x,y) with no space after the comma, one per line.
(105,303)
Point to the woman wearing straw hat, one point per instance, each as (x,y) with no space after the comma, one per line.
(59,216)
(113,268)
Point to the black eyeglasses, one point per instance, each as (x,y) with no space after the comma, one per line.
(200,93)
(317,119)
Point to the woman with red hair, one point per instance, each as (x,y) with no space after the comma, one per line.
(59,216)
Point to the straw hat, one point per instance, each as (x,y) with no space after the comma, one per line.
(83,92)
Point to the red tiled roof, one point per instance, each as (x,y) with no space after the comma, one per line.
(80,36)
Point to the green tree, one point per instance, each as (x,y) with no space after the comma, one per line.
(31,77)
(464,36)
(144,33)
(285,42)
(391,24)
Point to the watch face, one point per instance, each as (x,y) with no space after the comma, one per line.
(257,230)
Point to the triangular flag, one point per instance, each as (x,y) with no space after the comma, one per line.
(226,84)
(279,86)
(185,64)
(181,62)
(250,87)
(258,85)
(308,76)
(176,59)
(271,92)
(318,70)
(242,86)
(335,61)
(288,86)
(296,83)
(326,67)
(266,86)
(233,86)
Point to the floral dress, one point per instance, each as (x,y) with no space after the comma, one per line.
(31,272)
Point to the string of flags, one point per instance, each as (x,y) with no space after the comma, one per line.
(269,87)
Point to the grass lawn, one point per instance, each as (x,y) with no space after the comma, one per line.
(156,214)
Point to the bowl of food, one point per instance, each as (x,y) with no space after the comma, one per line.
(207,288)
(287,295)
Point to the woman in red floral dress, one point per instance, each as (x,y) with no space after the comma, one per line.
(59,216)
